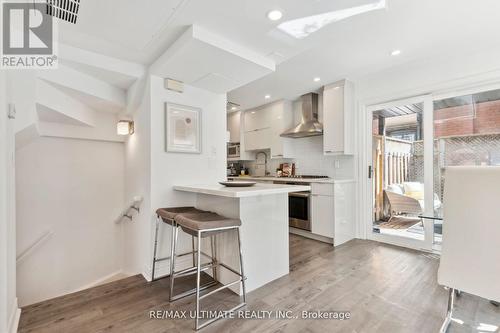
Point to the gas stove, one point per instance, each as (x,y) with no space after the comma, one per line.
(305,177)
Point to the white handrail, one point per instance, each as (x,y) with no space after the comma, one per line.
(42,239)
(135,205)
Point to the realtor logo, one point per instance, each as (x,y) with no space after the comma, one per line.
(27,36)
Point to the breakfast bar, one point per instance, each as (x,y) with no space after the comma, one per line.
(263,211)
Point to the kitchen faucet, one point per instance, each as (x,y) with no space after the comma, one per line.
(265,161)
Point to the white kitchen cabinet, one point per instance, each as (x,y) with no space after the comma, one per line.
(264,125)
(257,139)
(332,211)
(345,215)
(338,123)
(257,119)
(322,215)
(282,119)
(233,126)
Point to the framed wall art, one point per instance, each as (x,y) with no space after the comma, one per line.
(182,129)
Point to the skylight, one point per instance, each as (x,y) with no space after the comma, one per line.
(303,27)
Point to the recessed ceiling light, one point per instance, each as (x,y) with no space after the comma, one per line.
(253,112)
(317,79)
(233,108)
(267,96)
(274,15)
(395,52)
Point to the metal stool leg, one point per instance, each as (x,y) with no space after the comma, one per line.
(198,277)
(213,245)
(241,280)
(155,247)
(241,269)
(175,232)
(194,252)
(449,313)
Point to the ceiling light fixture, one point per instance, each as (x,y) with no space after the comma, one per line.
(233,108)
(274,15)
(395,52)
(125,127)
(303,27)
(267,96)
(317,79)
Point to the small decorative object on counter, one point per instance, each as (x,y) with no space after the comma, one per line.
(279,172)
(287,170)
(293,169)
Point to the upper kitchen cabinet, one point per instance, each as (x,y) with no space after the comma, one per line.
(264,125)
(338,113)
(233,126)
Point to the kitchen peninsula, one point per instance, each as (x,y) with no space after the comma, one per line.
(263,210)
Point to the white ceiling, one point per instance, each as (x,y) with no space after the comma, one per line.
(141,30)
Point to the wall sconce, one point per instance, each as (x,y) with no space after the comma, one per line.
(125,127)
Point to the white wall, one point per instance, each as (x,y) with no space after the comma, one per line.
(74,188)
(138,182)
(165,170)
(169,169)
(9,312)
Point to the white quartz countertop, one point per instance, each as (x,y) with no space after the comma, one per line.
(294,180)
(240,192)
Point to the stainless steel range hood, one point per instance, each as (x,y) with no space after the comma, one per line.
(309,126)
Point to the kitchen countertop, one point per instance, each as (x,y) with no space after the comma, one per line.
(296,180)
(240,192)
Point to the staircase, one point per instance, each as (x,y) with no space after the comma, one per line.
(82,99)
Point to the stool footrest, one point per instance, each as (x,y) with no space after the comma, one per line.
(220,288)
(230,269)
(193,291)
(192,270)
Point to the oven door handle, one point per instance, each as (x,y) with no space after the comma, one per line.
(300,194)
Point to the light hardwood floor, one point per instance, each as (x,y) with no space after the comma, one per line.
(385,288)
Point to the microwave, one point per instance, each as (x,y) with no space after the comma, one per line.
(233,150)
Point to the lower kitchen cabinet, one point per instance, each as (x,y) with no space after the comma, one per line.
(322,215)
(345,214)
(332,211)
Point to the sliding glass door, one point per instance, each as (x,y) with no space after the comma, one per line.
(466,133)
(410,144)
(401,173)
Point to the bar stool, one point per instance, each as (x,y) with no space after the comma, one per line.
(202,225)
(167,215)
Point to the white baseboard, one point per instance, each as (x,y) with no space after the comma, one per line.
(15,314)
(310,235)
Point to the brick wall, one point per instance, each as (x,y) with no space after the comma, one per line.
(460,120)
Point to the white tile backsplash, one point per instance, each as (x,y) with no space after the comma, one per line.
(311,161)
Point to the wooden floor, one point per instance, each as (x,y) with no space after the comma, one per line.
(385,288)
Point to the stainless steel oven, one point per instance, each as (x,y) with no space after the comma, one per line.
(299,210)
(299,207)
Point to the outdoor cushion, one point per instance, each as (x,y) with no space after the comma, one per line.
(395,188)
